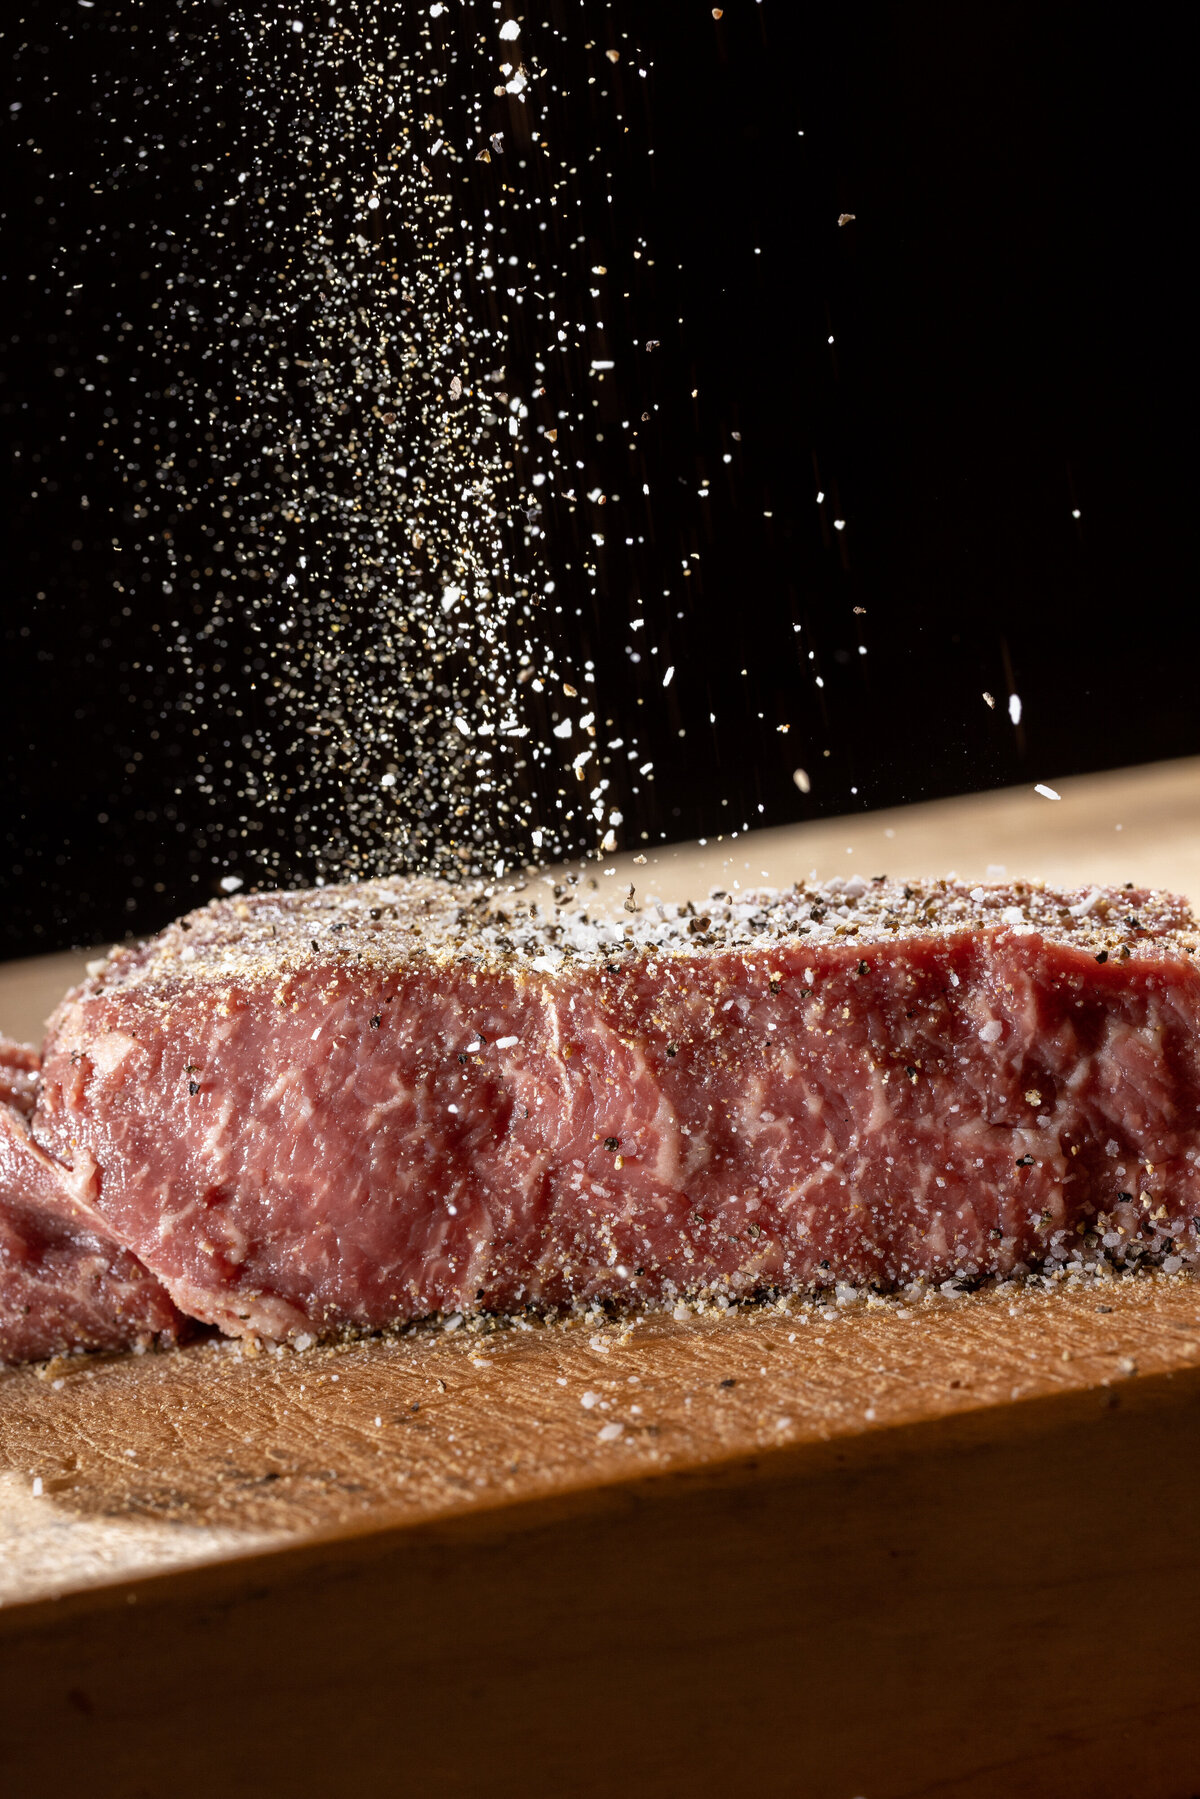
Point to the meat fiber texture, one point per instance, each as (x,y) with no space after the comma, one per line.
(64,1283)
(358,1106)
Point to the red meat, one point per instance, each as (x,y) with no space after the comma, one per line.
(63,1283)
(361,1105)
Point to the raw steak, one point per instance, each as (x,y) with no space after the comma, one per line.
(63,1284)
(360,1105)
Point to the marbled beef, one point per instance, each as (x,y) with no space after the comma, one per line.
(64,1284)
(361,1105)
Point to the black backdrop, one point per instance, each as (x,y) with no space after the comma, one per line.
(1010,350)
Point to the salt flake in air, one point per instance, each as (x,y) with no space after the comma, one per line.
(1014,707)
(1047,793)
(510,30)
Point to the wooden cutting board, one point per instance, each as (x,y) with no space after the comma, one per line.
(885,1550)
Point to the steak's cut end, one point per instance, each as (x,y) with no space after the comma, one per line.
(64,1285)
(362,1105)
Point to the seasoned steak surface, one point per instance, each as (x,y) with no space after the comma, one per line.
(361,1105)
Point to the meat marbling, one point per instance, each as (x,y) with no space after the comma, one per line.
(64,1284)
(360,1105)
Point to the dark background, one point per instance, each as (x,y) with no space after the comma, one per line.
(1008,310)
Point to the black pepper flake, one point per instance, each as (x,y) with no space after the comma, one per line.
(193,1087)
(774,986)
(463,1060)
(912,1074)
(1024,1161)
(1104,1308)
(1103,956)
(862,968)
(638,1273)
(754,1231)
(1127,1197)
(611,1143)
(314,943)
(672,1050)
(729,1381)
(375,1022)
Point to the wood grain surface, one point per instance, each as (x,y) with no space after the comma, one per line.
(885,1549)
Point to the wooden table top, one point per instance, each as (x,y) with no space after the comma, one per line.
(114,1469)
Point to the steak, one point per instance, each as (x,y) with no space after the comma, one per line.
(63,1283)
(357,1106)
